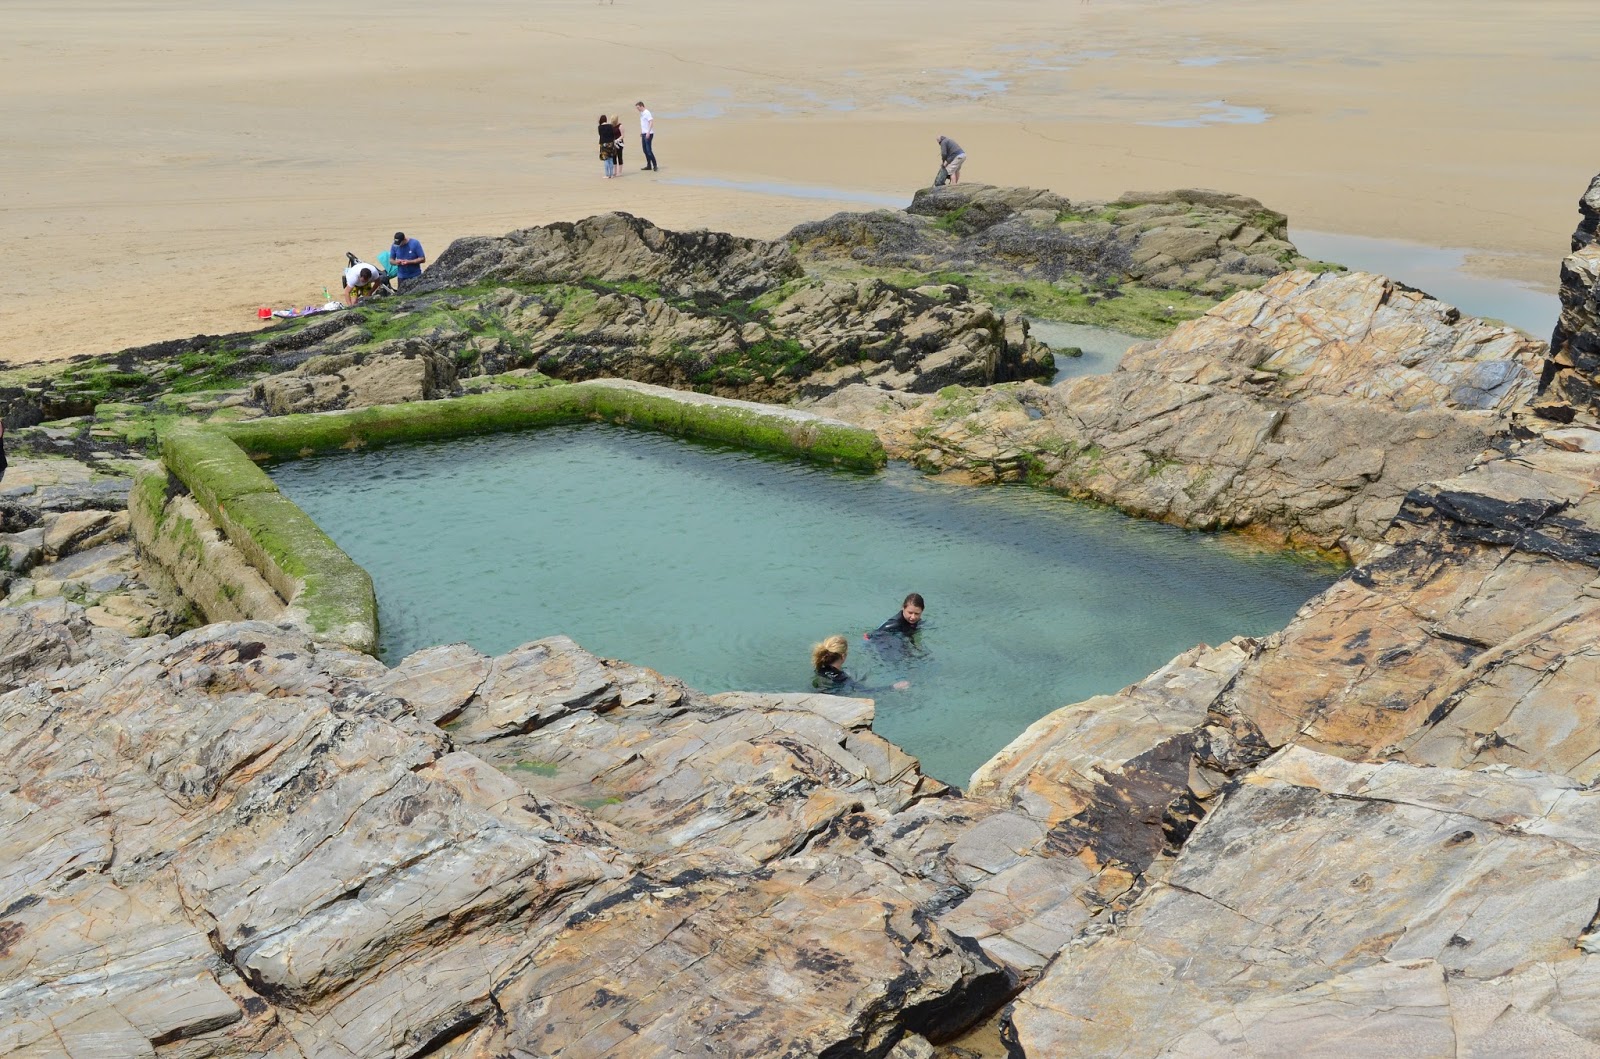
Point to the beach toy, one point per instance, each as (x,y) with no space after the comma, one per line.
(263,313)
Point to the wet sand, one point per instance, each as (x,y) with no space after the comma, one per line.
(168,170)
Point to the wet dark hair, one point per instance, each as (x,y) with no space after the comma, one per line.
(915,597)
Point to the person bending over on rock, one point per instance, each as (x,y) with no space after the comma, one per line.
(360,279)
(951,156)
(827,664)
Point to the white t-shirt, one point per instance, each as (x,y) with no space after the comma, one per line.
(352,275)
(647,122)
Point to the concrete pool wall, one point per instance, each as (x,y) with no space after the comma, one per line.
(219,529)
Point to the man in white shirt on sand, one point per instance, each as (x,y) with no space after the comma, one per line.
(647,135)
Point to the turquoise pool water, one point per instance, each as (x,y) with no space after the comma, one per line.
(722,568)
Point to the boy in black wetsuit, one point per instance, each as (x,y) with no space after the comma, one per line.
(906,623)
(896,639)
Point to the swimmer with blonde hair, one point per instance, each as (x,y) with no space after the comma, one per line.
(827,664)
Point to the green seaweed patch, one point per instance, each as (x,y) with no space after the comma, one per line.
(100,380)
(767,360)
(537,767)
(202,370)
(775,297)
(637,287)
(950,220)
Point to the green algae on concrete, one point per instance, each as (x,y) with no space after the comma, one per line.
(183,547)
(301,563)
(742,423)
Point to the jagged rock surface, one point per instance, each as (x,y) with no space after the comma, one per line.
(1306,409)
(1204,241)
(313,868)
(722,322)
(1570,384)
(1331,908)
(619,246)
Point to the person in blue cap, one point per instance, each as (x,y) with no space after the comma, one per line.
(407,256)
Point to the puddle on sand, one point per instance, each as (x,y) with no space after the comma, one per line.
(794,191)
(1442,273)
(1102,349)
(975,83)
(1216,112)
(1211,60)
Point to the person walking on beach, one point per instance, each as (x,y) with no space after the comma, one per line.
(951,156)
(647,135)
(408,258)
(608,146)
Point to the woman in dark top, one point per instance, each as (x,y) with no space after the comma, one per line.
(827,664)
(616,127)
(608,145)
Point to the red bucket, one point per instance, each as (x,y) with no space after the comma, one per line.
(263,313)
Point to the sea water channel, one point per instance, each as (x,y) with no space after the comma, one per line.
(723,567)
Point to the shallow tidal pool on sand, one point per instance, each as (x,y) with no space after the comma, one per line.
(723,567)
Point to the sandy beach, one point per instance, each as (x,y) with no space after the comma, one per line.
(168,169)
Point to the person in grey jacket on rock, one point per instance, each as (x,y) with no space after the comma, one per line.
(951,156)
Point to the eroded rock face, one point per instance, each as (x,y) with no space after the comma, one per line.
(1306,409)
(750,338)
(356,380)
(1570,385)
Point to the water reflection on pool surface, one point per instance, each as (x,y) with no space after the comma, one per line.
(722,568)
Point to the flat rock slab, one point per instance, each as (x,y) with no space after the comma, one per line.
(1328,901)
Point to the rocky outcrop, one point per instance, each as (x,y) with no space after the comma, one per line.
(809,339)
(816,339)
(618,247)
(1305,410)
(1369,834)
(1203,241)
(67,538)
(1570,385)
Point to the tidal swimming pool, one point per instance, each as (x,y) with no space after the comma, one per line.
(723,567)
